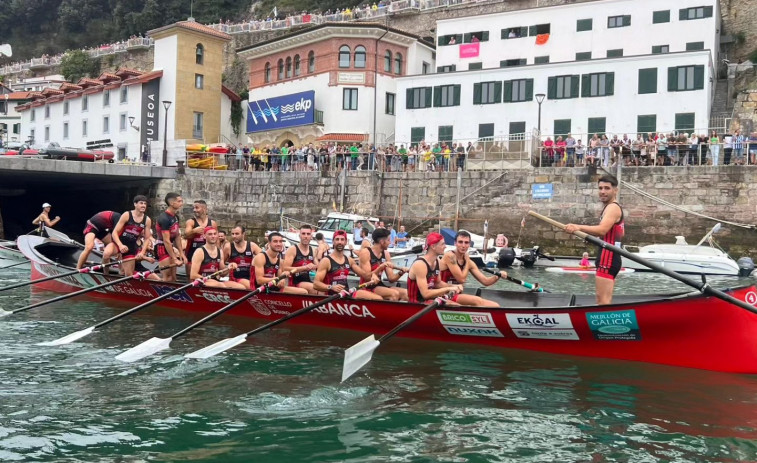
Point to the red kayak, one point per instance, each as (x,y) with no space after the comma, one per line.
(684,329)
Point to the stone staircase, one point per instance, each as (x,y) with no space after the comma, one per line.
(722,107)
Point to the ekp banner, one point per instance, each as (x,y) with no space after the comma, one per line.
(281,112)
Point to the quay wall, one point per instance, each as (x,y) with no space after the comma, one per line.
(257,199)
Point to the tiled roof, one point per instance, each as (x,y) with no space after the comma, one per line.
(192,26)
(141,79)
(16,96)
(343,137)
(230,93)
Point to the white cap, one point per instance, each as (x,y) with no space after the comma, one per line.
(46,205)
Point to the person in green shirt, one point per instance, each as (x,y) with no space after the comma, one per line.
(403,153)
(437,156)
(354,154)
(285,157)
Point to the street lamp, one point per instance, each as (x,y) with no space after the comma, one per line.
(131,123)
(539,99)
(166,105)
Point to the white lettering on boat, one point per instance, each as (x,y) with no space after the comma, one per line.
(342,308)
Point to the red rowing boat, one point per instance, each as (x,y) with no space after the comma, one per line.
(684,329)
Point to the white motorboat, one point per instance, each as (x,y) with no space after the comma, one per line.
(704,258)
(10,256)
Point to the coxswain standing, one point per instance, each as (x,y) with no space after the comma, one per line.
(331,276)
(455,266)
(168,244)
(611,229)
(209,260)
(132,227)
(423,282)
(299,260)
(241,252)
(268,265)
(98,227)
(194,229)
(376,260)
(44,219)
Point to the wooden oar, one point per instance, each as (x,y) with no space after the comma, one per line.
(155,345)
(532,286)
(5,313)
(93,268)
(15,265)
(80,334)
(358,355)
(226,344)
(703,287)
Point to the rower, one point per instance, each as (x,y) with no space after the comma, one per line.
(375,259)
(332,272)
(322,249)
(423,282)
(210,260)
(267,266)
(44,219)
(98,227)
(456,265)
(300,260)
(133,226)
(194,229)
(168,244)
(222,239)
(241,252)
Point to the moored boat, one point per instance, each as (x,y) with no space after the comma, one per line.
(11,256)
(683,329)
(583,270)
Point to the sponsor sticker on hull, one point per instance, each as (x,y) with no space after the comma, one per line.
(542,326)
(620,325)
(469,323)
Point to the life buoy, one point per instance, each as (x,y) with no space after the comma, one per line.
(501,241)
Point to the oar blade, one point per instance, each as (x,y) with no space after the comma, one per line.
(146,349)
(69,338)
(215,349)
(4,313)
(357,356)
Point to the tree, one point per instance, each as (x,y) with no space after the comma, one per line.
(77,64)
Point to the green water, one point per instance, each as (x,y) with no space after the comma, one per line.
(278,398)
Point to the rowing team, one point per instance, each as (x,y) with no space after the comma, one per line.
(432,275)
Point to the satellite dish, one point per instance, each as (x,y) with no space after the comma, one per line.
(5,49)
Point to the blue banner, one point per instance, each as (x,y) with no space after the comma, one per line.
(281,112)
(541,191)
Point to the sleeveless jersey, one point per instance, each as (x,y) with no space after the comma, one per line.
(447,277)
(210,264)
(413,292)
(301,260)
(133,229)
(167,222)
(617,231)
(270,269)
(337,275)
(243,260)
(375,262)
(198,241)
(105,220)
(607,262)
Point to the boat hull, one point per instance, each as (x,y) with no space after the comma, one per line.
(692,331)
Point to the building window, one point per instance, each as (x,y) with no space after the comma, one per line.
(618,21)
(538,29)
(561,87)
(485,131)
(699,12)
(199,81)
(398,64)
(106,124)
(360,57)
(693,46)
(541,59)
(65,108)
(514,32)
(296,65)
(65,130)
(199,54)
(311,62)
(598,84)
(616,53)
(451,39)
(17,128)
(418,98)
(106,98)
(474,37)
(584,24)
(289,67)
(597,125)
(647,81)
(446,95)
(662,16)
(660,49)
(425,68)
(475,66)
(31,135)
(646,124)
(583,56)
(388,61)
(122,122)
(197,126)
(507,63)
(519,90)
(281,69)
(446,133)
(124,94)
(84,128)
(389,108)
(487,92)
(33,115)
(349,99)
(47,112)
(685,121)
(449,68)
(47,133)
(267,73)
(344,56)
(518,129)
(417,134)
(562,127)
(84,102)
(684,78)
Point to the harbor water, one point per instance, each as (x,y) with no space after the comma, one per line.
(278,396)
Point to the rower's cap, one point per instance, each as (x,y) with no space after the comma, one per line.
(340,233)
(46,205)
(210,227)
(433,238)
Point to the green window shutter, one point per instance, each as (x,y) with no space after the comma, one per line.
(584,25)
(610,83)
(693,46)
(627,20)
(532,31)
(428,93)
(409,99)
(485,36)
(574,86)
(456,95)
(524,31)
(646,124)
(683,14)
(503,34)
(454,67)
(541,59)
(616,53)
(466,37)
(672,79)
(586,85)
(708,11)
(551,88)
(509,90)
(498,92)
(699,77)
(440,40)
(476,93)
(660,16)
(529,89)
(647,81)
(684,121)
(437,96)
(562,126)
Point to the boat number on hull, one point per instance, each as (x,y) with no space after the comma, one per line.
(751,298)
(469,323)
(620,325)
(542,326)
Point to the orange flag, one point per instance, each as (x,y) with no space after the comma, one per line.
(541,39)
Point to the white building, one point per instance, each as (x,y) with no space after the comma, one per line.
(10,119)
(621,66)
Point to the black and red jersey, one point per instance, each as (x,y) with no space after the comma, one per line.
(447,277)
(270,269)
(337,274)
(375,262)
(301,260)
(243,259)
(210,264)
(432,273)
(198,240)
(133,230)
(167,222)
(105,220)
